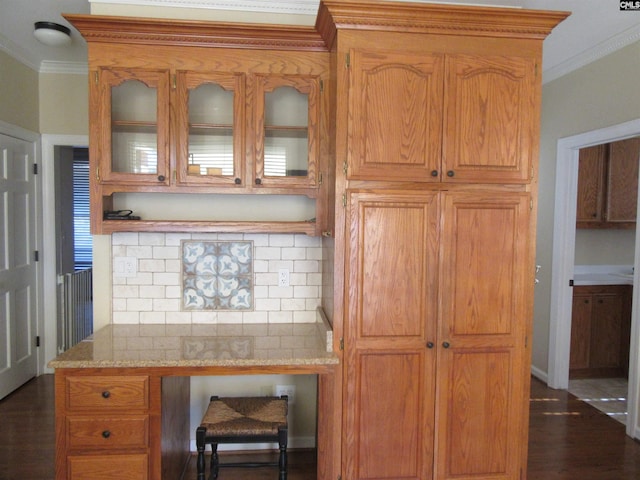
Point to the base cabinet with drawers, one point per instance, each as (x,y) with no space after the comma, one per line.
(109,424)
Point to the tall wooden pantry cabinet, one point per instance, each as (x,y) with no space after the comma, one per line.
(436,132)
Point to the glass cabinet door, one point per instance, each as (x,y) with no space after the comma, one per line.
(210,117)
(287,118)
(136,107)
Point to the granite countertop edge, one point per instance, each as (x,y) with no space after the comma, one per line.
(267,362)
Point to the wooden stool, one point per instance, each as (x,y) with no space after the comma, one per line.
(242,420)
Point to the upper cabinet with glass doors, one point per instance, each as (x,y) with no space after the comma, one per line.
(286,126)
(210,128)
(134,126)
(214,132)
(200,110)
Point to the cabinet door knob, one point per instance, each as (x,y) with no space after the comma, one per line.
(106,434)
(106,394)
(237,181)
(258,181)
(161,178)
(430,345)
(434,173)
(450,173)
(446,344)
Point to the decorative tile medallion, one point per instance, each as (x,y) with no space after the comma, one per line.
(217,275)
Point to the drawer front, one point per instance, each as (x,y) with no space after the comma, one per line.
(108,467)
(105,392)
(108,432)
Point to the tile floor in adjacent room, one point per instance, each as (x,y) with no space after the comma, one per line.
(608,395)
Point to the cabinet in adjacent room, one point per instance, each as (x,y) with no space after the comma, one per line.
(436,142)
(600,331)
(608,185)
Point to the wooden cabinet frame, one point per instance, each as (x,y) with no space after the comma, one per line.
(411,84)
(190,52)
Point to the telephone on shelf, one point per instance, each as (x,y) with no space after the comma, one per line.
(120,215)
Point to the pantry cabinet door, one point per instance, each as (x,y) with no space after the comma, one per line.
(491,116)
(395,119)
(487,286)
(391,320)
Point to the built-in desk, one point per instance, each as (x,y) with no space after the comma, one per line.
(122,396)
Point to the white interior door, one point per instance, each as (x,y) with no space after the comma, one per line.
(18,272)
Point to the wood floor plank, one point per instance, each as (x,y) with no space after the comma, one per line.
(568,440)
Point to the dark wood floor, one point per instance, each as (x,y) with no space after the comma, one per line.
(569,440)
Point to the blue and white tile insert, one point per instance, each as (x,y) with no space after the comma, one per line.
(217,275)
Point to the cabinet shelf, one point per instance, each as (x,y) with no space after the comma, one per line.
(112,226)
(133,126)
(210,128)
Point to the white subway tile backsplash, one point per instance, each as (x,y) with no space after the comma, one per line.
(166,278)
(280,317)
(293,304)
(308,266)
(152,291)
(139,251)
(152,317)
(307,291)
(165,252)
(152,238)
(267,253)
(139,304)
(166,304)
(267,304)
(175,239)
(281,241)
(126,291)
(151,265)
(125,238)
(154,294)
(307,241)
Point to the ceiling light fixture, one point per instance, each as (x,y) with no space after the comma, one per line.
(52,34)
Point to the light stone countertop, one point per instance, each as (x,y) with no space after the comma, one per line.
(603,275)
(199,345)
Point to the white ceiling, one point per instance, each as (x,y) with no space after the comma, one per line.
(595,28)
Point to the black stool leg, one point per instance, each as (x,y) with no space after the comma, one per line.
(200,434)
(282,441)
(215,461)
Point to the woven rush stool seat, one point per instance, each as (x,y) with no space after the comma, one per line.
(242,420)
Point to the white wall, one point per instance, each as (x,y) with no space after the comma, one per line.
(601,94)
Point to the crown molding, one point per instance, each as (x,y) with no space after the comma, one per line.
(300,7)
(586,57)
(70,68)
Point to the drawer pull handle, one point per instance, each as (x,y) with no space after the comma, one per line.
(106,434)
(446,344)
(106,394)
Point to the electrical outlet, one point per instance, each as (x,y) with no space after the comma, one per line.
(283,277)
(125,266)
(288,390)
